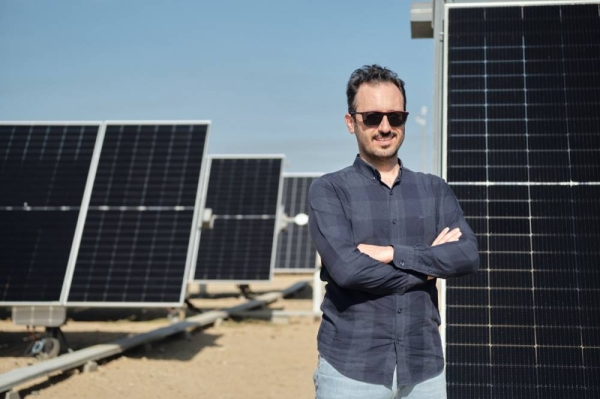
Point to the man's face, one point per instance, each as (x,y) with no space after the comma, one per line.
(377,143)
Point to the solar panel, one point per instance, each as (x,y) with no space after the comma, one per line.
(522,132)
(43,174)
(135,245)
(244,194)
(295,251)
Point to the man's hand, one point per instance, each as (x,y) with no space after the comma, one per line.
(447,236)
(383,254)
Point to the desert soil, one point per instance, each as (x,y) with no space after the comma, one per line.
(246,358)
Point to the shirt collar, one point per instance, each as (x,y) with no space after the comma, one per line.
(369,171)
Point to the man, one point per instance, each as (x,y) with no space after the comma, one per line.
(384,233)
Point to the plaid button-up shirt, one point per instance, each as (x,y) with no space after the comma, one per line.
(376,316)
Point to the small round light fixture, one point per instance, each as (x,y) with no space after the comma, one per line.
(301,219)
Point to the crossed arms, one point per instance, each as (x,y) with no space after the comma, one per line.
(394,268)
(385,254)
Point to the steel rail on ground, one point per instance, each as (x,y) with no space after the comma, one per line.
(72,360)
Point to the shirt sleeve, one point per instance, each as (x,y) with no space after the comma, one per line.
(447,260)
(332,235)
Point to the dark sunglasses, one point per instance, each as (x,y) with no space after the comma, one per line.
(374,118)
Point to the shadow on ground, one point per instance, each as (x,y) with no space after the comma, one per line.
(16,343)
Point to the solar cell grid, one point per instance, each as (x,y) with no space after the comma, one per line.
(469,315)
(43,172)
(244,196)
(477,279)
(295,250)
(519,110)
(132,257)
(45,165)
(149,165)
(257,179)
(236,250)
(135,243)
(35,248)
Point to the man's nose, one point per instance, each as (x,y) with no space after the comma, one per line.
(384,125)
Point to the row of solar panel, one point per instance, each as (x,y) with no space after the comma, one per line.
(109,214)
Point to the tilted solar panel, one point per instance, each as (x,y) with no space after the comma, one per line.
(295,250)
(244,194)
(43,172)
(140,221)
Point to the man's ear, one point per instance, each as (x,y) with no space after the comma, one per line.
(349,123)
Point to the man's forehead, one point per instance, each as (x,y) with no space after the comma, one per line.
(374,89)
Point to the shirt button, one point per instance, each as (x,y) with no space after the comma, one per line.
(399,310)
(401,263)
(397,341)
(394,221)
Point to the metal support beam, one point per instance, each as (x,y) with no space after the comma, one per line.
(94,353)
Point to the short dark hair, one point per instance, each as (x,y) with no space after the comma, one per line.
(371,74)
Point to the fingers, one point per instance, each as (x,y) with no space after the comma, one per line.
(383,254)
(367,249)
(453,235)
(439,237)
(447,236)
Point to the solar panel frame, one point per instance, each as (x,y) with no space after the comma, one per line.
(546,382)
(317,264)
(278,215)
(193,227)
(82,210)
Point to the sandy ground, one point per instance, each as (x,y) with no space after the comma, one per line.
(247,358)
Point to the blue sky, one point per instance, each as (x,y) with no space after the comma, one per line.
(270,75)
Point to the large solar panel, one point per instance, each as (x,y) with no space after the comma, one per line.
(296,252)
(135,246)
(244,194)
(43,173)
(523,157)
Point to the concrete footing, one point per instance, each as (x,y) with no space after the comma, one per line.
(12,394)
(90,367)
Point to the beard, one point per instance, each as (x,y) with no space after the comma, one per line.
(374,153)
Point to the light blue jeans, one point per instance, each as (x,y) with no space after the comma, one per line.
(330,384)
